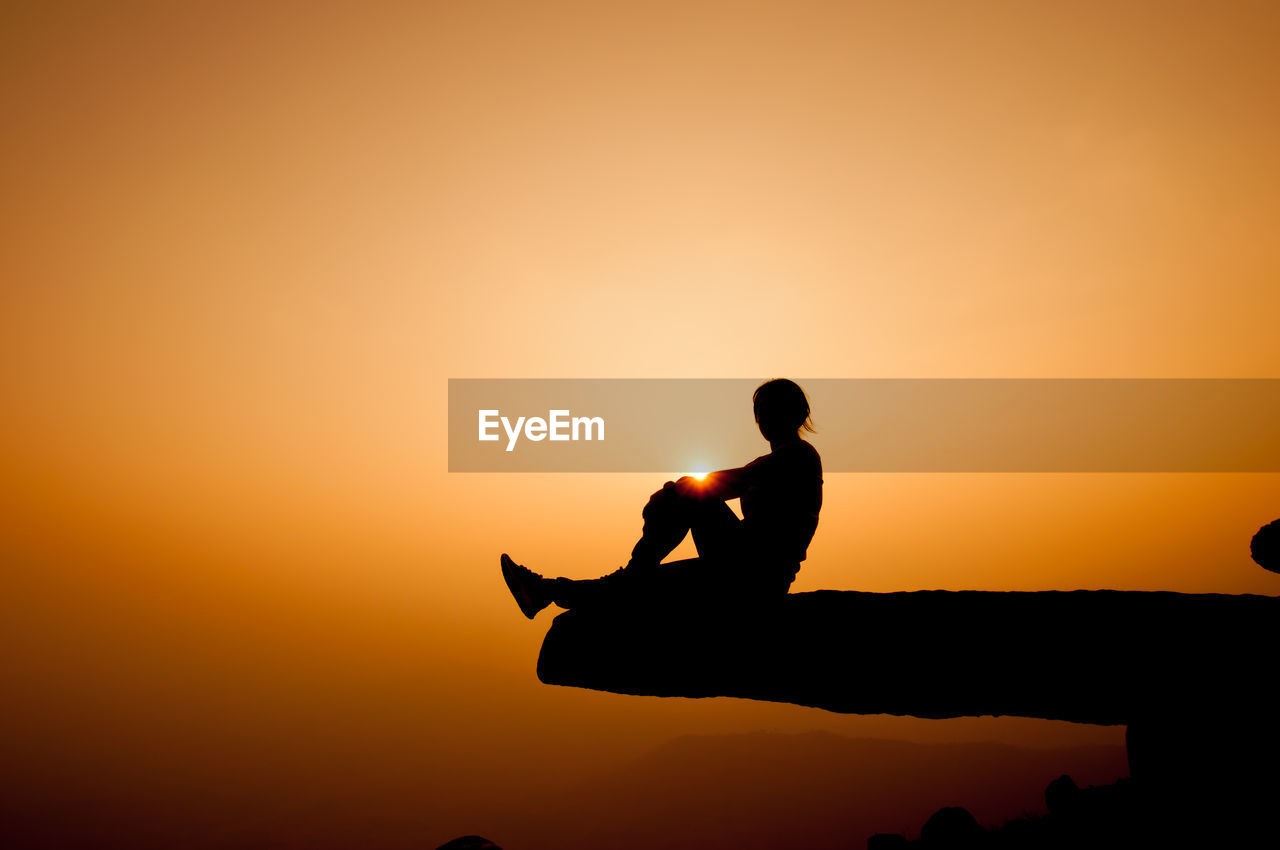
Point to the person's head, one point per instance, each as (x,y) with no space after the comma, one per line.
(781,409)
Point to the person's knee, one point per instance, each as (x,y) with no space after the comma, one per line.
(662,500)
(671,505)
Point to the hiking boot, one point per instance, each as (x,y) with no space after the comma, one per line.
(526,586)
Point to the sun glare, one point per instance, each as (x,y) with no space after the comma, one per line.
(700,474)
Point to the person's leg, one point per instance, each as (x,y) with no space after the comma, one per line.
(717,531)
(666,522)
(575,593)
(667,517)
(691,581)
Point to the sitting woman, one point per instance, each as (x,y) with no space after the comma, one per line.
(752,559)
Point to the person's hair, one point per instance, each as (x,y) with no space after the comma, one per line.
(786,403)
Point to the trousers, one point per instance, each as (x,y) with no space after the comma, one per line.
(726,569)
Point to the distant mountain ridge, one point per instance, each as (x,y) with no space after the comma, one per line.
(810,790)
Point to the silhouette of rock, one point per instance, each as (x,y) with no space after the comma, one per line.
(887,841)
(952,827)
(1107,817)
(1185,672)
(1106,656)
(469,842)
(1265,546)
(1062,797)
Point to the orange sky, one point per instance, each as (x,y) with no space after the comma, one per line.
(247,244)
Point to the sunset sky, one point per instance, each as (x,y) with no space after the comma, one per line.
(247,244)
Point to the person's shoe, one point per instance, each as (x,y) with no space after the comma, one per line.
(526,586)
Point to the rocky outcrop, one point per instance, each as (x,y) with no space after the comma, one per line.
(1189,674)
(469,842)
(1107,657)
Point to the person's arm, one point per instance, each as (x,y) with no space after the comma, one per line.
(723,485)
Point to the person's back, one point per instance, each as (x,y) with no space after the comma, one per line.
(782,499)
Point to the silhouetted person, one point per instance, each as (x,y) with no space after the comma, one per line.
(749,560)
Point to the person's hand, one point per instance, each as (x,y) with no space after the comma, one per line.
(689,486)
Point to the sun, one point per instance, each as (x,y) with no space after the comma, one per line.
(700,474)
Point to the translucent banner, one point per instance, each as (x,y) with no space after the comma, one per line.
(870,425)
